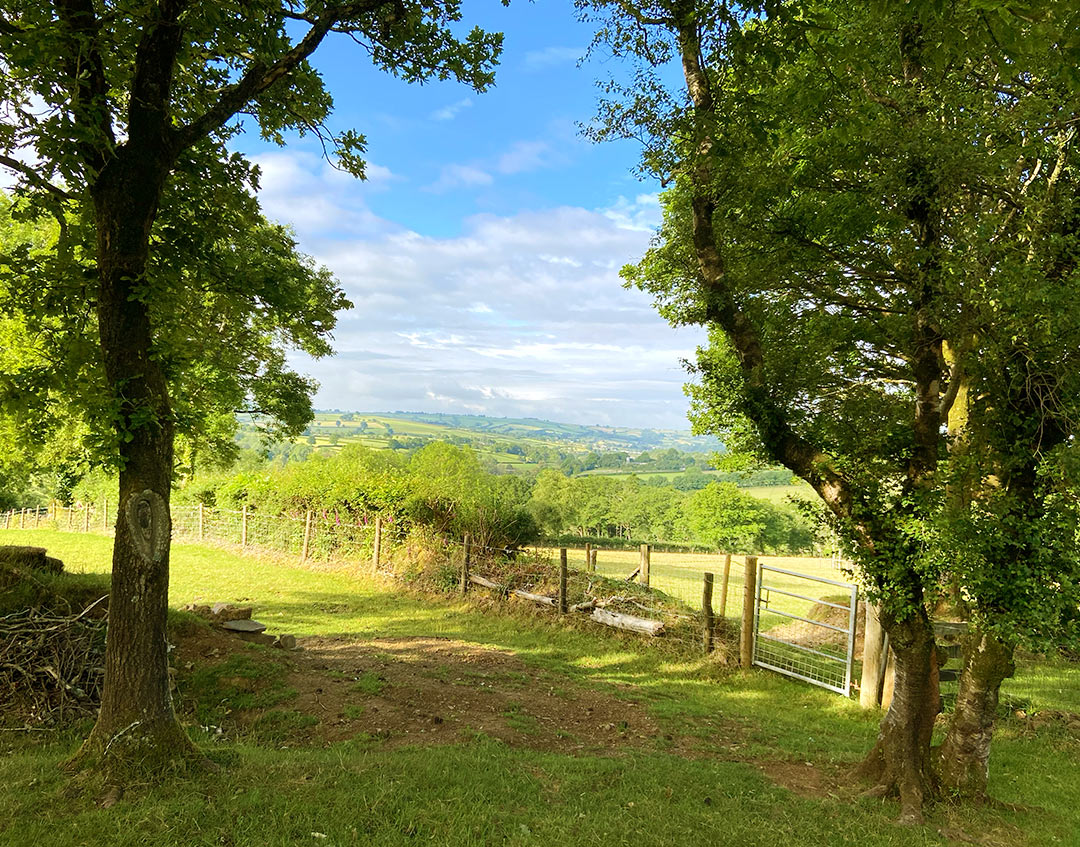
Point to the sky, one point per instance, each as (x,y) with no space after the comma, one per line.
(482,253)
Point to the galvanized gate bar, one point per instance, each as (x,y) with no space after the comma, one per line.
(789,651)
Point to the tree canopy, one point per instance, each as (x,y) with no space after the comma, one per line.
(871,208)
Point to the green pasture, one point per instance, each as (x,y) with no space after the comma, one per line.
(736,731)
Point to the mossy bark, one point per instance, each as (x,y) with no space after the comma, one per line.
(900,761)
(964,756)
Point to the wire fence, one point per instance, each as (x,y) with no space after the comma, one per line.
(320,536)
(695,600)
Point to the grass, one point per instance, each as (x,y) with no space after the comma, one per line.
(480,791)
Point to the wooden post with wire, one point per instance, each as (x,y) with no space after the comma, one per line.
(562,581)
(243,525)
(465,563)
(746,633)
(588,557)
(724,586)
(202,522)
(592,562)
(376,548)
(86,517)
(307,538)
(707,612)
(646,555)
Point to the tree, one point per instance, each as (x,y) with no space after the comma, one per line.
(726,519)
(848,185)
(121,108)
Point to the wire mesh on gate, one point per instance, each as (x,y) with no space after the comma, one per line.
(804,627)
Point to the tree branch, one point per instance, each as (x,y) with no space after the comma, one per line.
(33,176)
(260,76)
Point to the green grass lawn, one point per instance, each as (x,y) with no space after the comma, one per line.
(745,728)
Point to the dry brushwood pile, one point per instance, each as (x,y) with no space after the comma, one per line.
(51,666)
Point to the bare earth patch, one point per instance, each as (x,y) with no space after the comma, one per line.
(428,690)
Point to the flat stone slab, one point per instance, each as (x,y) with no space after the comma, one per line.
(244,625)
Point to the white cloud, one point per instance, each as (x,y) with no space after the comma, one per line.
(460,176)
(550,57)
(319,201)
(448,113)
(524,156)
(643,213)
(486,322)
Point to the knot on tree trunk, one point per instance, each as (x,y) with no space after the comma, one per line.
(147,519)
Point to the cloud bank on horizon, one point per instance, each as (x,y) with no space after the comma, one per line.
(519,315)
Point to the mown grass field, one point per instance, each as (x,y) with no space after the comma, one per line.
(746,758)
(681,574)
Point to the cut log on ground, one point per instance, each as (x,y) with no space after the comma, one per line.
(535,598)
(628,622)
(487,583)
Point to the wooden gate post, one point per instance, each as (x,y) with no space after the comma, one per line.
(562,581)
(873,667)
(307,537)
(465,564)
(646,552)
(724,586)
(746,633)
(706,612)
(376,549)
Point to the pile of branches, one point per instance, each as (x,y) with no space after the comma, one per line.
(51,666)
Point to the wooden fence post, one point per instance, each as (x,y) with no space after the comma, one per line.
(243,525)
(71,515)
(588,556)
(202,522)
(465,564)
(22,519)
(724,586)
(746,634)
(86,517)
(873,662)
(706,611)
(646,555)
(37,517)
(105,517)
(592,562)
(376,550)
(562,580)
(307,537)
(7,519)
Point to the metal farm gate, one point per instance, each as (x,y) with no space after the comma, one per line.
(811,638)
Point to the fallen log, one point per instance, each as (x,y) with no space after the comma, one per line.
(487,583)
(535,598)
(628,622)
(587,606)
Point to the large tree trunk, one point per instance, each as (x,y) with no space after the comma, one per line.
(136,724)
(964,758)
(900,762)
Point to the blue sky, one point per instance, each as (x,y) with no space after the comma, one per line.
(482,253)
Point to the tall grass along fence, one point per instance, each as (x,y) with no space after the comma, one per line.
(319,536)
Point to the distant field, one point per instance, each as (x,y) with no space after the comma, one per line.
(680,575)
